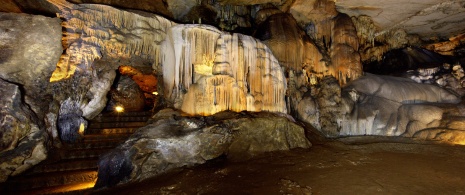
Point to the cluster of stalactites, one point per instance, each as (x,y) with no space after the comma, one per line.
(119,33)
(345,59)
(212,71)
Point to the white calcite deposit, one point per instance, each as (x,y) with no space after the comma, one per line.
(206,71)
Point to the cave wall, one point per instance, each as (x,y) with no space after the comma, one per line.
(30,47)
(302,53)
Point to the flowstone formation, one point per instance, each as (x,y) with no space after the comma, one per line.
(204,70)
(171,141)
(220,71)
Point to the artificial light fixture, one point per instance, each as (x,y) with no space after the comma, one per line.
(155,93)
(81,129)
(119,109)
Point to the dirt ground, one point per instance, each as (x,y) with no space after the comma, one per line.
(346,166)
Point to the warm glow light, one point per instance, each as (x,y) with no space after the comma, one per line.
(119,109)
(155,93)
(81,129)
(461,142)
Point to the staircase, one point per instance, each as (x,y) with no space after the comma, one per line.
(74,166)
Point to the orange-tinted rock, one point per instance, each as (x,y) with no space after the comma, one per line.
(10,6)
(146,82)
(290,45)
(345,59)
(153,6)
(447,47)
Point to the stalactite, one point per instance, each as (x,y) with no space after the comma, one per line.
(204,70)
(345,58)
(245,75)
(116,31)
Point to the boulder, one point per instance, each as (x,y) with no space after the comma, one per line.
(30,47)
(22,142)
(127,94)
(171,141)
(392,106)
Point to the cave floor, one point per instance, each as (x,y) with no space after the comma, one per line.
(347,166)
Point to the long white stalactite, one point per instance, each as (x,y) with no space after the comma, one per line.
(220,71)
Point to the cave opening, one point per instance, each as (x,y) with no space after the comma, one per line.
(134,89)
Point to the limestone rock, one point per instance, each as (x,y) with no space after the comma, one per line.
(392,106)
(428,19)
(206,71)
(248,2)
(98,39)
(329,101)
(401,90)
(22,141)
(30,47)
(345,59)
(70,123)
(180,8)
(127,94)
(447,47)
(314,11)
(172,141)
(30,7)
(450,136)
(401,60)
(157,6)
(307,111)
(291,46)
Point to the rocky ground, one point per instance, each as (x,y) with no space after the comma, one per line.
(359,165)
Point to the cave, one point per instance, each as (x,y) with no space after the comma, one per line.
(232,97)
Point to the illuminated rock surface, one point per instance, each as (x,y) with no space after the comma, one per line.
(309,51)
(171,141)
(126,94)
(220,71)
(392,106)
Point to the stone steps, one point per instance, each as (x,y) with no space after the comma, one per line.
(74,166)
(116,124)
(129,130)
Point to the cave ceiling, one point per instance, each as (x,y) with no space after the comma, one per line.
(427,18)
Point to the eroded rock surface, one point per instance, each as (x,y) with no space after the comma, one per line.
(126,94)
(30,47)
(171,141)
(22,141)
(392,106)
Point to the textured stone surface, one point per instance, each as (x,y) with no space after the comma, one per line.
(206,71)
(401,90)
(345,59)
(392,106)
(22,142)
(30,47)
(153,6)
(173,141)
(126,94)
(291,46)
(427,18)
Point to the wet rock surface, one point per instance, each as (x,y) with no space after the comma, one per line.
(360,166)
(171,141)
